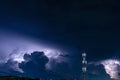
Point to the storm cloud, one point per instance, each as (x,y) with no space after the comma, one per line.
(34,64)
(10,68)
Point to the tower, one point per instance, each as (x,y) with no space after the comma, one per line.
(84,65)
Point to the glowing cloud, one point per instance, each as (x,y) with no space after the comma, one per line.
(111,67)
(15,46)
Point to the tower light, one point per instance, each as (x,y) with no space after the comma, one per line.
(84,65)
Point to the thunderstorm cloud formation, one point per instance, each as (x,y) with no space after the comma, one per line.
(22,56)
(112,68)
(34,64)
(45,39)
(109,67)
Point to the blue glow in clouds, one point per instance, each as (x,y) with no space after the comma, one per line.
(14,47)
(112,68)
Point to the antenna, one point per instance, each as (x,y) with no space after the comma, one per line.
(84,65)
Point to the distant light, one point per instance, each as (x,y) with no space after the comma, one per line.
(84,54)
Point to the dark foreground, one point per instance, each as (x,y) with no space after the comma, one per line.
(15,78)
(25,78)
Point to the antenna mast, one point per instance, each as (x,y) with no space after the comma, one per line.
(84,65)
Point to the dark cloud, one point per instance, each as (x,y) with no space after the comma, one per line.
(97,72)
(10,68)
(60,68)
(34,64)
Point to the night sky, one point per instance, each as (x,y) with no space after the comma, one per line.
(45,38)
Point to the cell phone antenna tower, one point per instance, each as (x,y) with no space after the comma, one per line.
(84,65)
